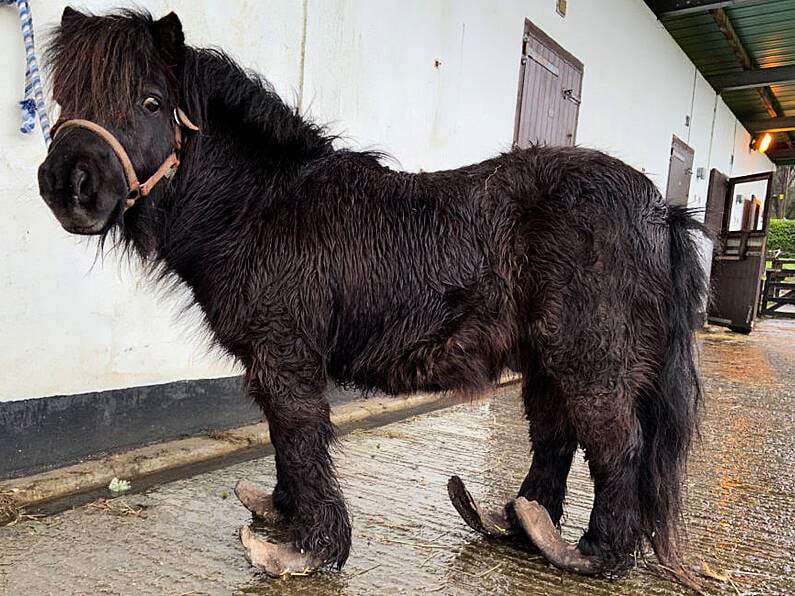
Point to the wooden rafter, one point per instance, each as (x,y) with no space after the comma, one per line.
(780,124)
(757,77)
(769,100)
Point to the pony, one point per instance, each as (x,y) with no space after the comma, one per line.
(314,263)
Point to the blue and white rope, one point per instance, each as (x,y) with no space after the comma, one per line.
(33,103)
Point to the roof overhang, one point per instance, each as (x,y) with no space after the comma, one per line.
(746,51)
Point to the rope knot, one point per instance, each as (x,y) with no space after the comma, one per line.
(33,104)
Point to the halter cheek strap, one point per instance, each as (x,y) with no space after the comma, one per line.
(166,169)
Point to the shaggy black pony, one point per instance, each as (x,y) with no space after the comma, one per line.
(313,263)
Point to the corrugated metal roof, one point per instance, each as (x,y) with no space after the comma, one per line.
(737,36)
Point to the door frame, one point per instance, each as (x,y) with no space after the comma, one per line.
(531,29)
(730,196)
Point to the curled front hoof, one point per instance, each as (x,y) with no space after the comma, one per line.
(536,522)
(492,524)
(256,500)
(277,560)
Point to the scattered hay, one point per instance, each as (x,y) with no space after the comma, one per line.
(384,434)
(229,437)
(119,507)
(709,572)
(489,570)
(363,571)
(421,545)
(10,511)
(428,558)
(220,435)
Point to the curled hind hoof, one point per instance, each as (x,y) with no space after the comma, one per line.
(492,524)
(256,500)
(538,526)
(277,560)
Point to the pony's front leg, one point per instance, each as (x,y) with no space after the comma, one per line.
(308,493)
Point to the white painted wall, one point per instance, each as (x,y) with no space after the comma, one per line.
(71,325)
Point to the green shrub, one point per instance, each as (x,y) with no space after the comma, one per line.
(781,236)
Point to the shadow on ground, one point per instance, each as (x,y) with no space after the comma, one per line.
(181,537)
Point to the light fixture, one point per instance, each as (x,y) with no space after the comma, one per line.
(762,143)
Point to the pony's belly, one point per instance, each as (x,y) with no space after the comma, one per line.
(438,371)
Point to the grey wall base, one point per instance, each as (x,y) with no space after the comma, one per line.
(42,433)
(36,434)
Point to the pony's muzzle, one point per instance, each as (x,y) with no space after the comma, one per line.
(81,185)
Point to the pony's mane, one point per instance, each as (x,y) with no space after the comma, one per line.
(211,79)
(98,64)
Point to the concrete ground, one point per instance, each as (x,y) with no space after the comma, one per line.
(181,537)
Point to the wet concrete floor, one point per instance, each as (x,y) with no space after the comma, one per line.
(180,538)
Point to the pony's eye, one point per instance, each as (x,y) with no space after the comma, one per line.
(152,104)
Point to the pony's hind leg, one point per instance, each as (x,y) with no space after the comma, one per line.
(600,389)
(612,446)
(583,391)
(554,443)
(539,507)
(613,450)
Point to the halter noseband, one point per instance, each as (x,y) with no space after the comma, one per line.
(166,169)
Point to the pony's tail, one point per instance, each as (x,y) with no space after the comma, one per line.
(669,412)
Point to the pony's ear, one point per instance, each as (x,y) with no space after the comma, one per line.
(70,16)
(169,38)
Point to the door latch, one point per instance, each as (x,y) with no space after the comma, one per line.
(568,94)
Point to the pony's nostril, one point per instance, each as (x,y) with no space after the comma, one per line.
(79,183)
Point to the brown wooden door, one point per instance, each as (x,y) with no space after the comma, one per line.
(550,83)
(716,202)
(680,170)
(738,256)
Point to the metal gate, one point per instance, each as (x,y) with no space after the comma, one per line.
(550,83)
(737,213)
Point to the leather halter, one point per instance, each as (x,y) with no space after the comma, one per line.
(166,170)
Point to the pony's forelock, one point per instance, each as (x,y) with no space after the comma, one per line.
(98,65)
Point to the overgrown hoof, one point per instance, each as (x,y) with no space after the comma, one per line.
(538,526)
(277,560)
(256,500)
(492,524)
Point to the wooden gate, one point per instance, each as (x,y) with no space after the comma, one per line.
(779,288)
(737,212)
(550,83)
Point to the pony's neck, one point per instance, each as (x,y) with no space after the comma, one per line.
(245,117)
(249,151)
